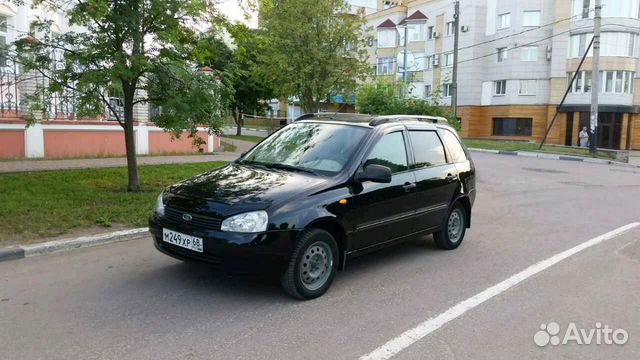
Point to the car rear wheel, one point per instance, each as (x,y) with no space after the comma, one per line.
(312,265)
(453,230)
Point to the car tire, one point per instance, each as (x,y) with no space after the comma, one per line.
(312,265)
(453,229)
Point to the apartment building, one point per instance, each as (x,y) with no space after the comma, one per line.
(17,21)
(515,62)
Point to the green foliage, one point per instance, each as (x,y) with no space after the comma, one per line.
(128,48)
(383,98)
(189,98)
(75,199)
(237,67)
(311,49)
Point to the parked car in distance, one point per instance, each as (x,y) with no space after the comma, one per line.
(319,191)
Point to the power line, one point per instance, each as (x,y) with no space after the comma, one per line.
(506,36)
(393,60)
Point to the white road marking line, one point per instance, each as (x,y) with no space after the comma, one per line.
(406,339)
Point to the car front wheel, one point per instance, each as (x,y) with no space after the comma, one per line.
(312,265)
(453,229)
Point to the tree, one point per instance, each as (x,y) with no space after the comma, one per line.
(137,49)
(381,98)
(313,49)
(238,67)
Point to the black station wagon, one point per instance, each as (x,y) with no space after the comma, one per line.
(318,192)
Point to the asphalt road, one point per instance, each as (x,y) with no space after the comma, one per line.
(127,301)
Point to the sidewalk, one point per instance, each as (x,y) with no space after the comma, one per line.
(66,164)
(242,146)
(634,158)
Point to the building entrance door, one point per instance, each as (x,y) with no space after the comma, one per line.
(609,130)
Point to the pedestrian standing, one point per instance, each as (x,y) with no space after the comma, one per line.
(584,137)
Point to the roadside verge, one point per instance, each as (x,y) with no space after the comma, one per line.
(551,156)
(24,251)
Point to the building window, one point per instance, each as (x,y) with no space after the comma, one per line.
(582,9)
(416,31)
(419,61)
(387,38)
(503,54)
(527,87)
(427,91)
(449,28)
(446,90)
(512,126)
(531,18)
(529,53)
(500,87)
(385,66)
(612,43)
(617,82)
(619,44)
(430,32)
(504,21)
(389,4)
(448,59)
(429,62)
(3,40)
(621,8)
(3,24)
(582,84)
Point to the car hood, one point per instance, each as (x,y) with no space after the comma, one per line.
(238,188)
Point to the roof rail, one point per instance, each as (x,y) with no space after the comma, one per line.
(379,120)
(346,117)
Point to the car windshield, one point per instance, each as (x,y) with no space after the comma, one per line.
(313,147)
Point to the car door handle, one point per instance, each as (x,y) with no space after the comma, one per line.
(451,178)
(408,186)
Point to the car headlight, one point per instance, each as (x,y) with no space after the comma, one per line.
(159,209)
(255,221)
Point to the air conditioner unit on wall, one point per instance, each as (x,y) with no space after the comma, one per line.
(464,28)
(435,61)
(436,34)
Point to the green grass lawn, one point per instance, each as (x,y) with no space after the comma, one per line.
(251,138)
(45,204)
(524,146)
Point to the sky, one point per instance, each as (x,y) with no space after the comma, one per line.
(234,12)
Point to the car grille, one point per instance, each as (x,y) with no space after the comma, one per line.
(201,221)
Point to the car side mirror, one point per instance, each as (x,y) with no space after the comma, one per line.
(375,173)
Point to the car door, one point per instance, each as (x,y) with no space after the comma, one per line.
(382,212)
(435,178)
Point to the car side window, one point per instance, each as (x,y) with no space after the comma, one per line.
(454,146)
(427,148)
(390,151)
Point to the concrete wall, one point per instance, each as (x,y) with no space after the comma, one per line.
(68,139)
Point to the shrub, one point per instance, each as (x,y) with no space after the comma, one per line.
(382,98)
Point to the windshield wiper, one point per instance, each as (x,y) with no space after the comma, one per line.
(290,167)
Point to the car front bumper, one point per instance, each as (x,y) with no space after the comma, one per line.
(241,252)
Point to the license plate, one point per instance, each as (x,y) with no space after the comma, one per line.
(183,240)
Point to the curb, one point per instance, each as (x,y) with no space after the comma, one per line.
(531,154)
(50,247)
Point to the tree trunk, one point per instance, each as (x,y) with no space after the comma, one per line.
(130,145)
(308,103)
(237,117)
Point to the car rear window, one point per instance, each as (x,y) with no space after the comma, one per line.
(454,146)
(427,148)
